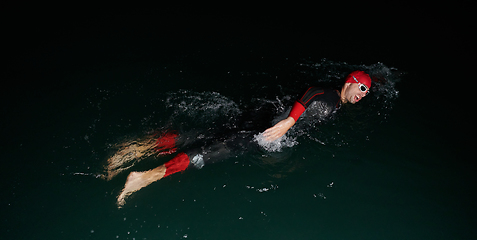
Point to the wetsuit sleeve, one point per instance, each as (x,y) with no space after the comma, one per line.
(296,111)
(302,103)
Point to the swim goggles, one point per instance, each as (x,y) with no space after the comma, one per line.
(362,87)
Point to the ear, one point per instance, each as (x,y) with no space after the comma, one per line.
(346,86)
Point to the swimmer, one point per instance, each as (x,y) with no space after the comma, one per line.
(357,85)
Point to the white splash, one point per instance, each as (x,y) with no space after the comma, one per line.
(277,145)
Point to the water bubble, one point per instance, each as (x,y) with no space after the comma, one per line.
(263,189)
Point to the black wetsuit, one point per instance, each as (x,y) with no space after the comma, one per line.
(238,142)
(329,98)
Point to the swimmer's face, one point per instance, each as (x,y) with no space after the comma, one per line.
(353,94)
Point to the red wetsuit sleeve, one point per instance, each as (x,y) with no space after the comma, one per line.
(296,110)
(177,164)
(312,94)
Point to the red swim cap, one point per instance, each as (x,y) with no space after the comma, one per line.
(360,76)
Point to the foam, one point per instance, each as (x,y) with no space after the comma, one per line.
(277,145)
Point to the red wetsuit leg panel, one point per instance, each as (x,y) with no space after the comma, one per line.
(177,164)
(296,111)
(166,144)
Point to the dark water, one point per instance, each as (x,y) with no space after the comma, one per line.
(394,166)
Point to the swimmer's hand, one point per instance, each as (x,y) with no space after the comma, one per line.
(279,129)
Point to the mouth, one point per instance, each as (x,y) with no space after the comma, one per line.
(356,98)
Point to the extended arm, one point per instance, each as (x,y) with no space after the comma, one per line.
(298,108)
(282,127)
(279,129)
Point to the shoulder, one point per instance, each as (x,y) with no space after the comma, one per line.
(315,90)
(312,92)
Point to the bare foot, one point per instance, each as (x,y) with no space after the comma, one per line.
(138,180)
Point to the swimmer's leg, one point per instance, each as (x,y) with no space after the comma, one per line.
(197,159)
(127,155)
(138,180)
(131,152)
(166,143)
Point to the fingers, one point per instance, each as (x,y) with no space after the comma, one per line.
(271,138)
(272,134)
(278,130)
(268,132)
